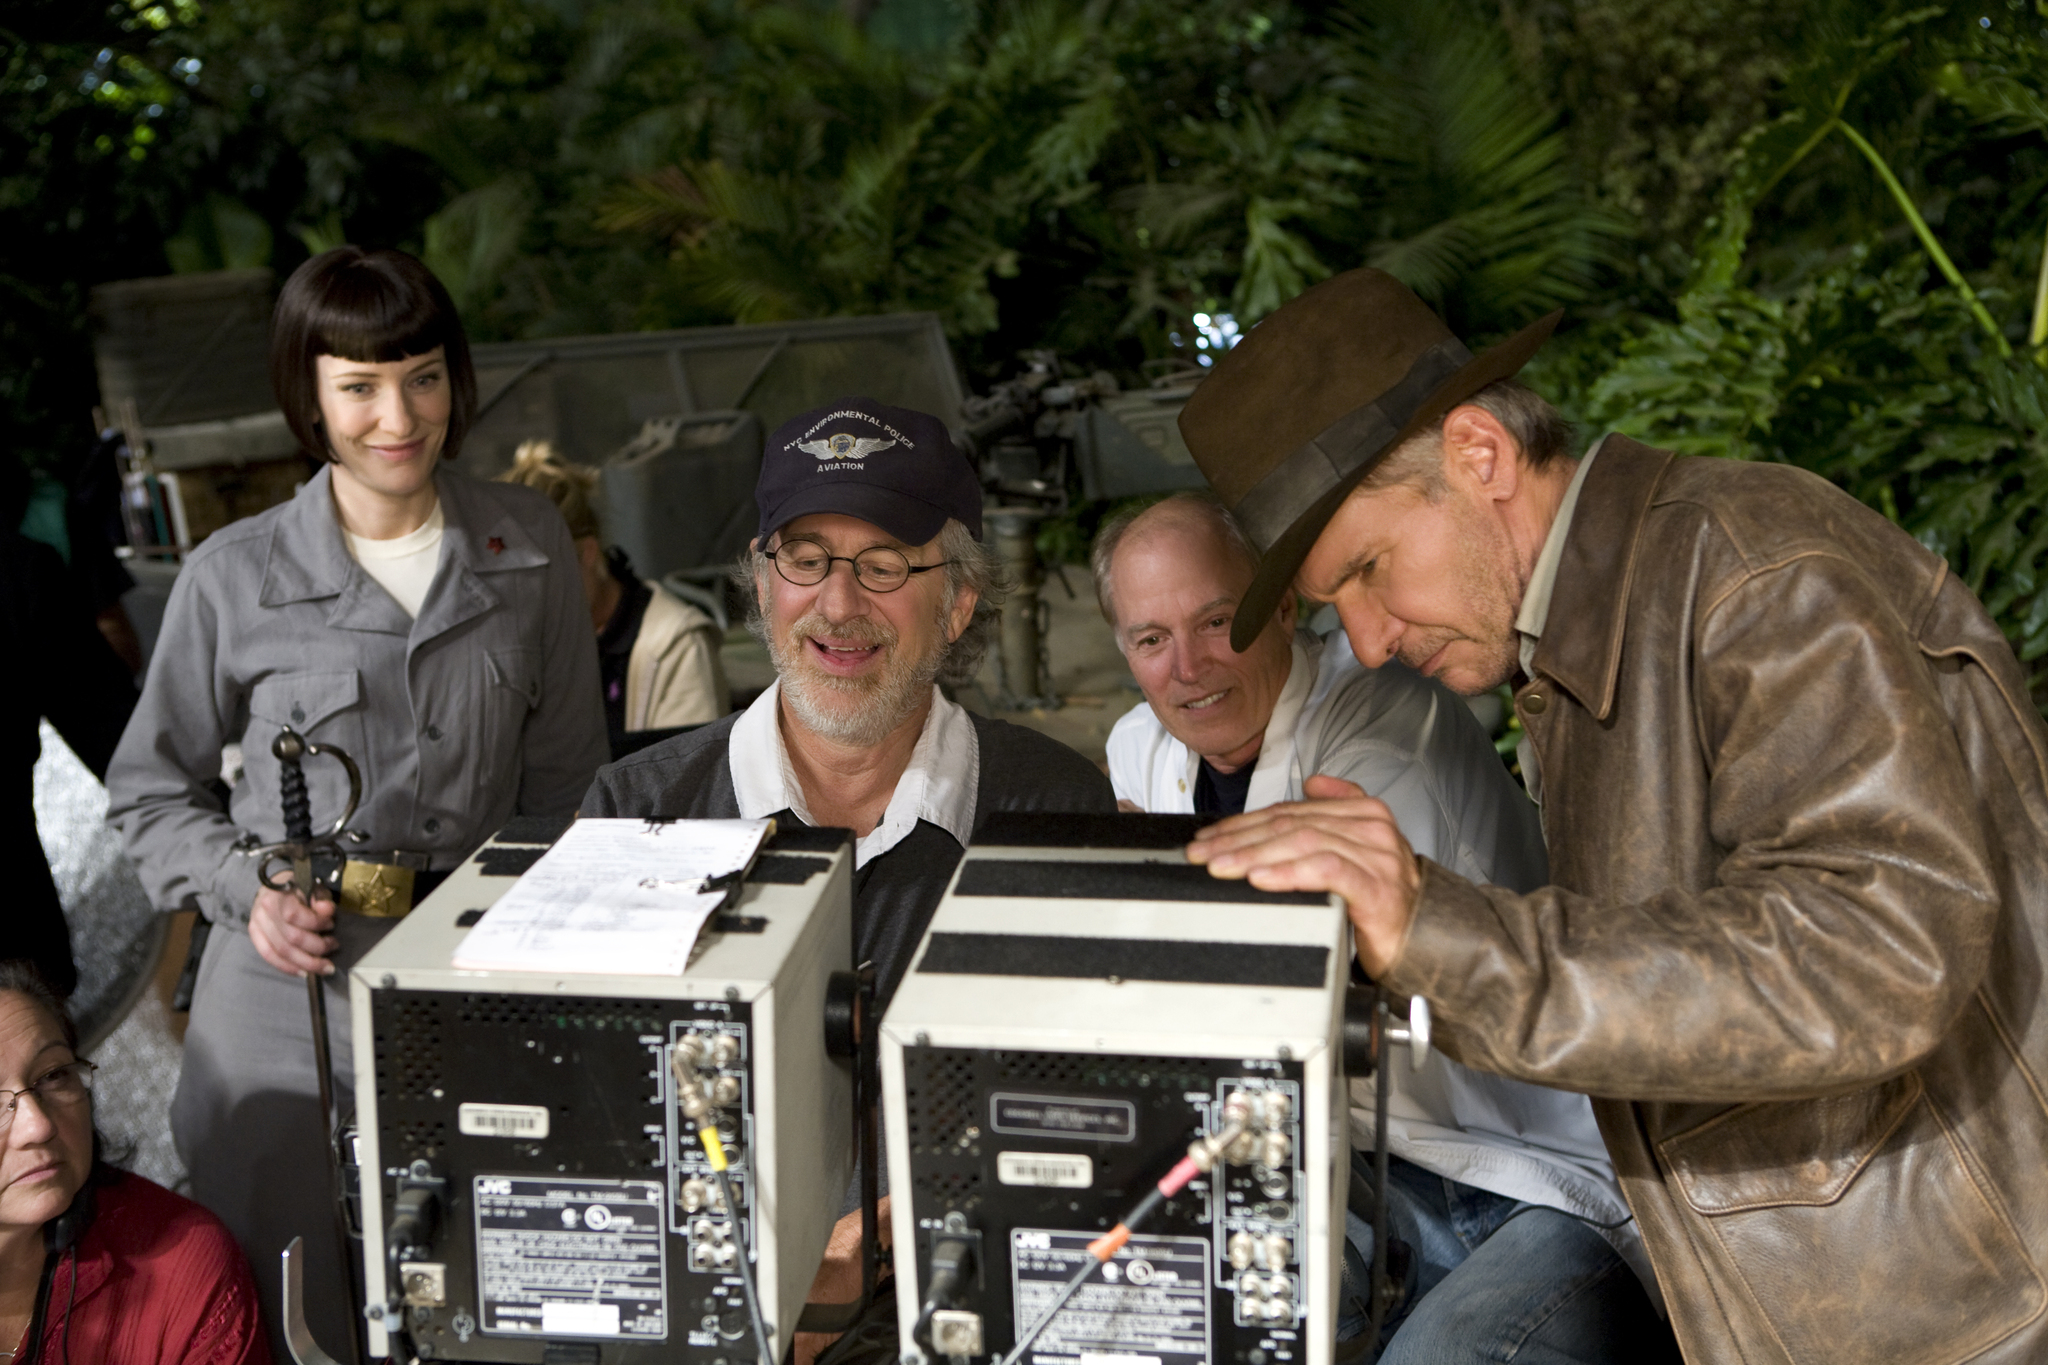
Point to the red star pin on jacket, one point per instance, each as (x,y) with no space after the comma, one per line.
(496,544)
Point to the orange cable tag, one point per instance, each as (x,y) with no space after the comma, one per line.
(1104,1247)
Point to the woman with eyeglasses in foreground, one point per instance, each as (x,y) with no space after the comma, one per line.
(97,1264)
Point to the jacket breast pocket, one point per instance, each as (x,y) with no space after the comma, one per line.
(516,670)
(508,690)
(1859,1226)
(304,700)
(327,708)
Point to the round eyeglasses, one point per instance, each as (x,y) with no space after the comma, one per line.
(62,1087)
(877,568)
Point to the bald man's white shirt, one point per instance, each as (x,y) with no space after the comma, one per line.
(1155,771)
(1415,745)
(1410,742)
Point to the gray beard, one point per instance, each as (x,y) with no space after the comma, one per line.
(856,712)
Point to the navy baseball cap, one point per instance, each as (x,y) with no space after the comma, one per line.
(895,467)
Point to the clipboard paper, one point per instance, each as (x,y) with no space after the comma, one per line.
(624,897)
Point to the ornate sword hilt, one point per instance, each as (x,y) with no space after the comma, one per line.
(301,848)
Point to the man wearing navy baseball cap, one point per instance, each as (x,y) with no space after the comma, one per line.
(864,579)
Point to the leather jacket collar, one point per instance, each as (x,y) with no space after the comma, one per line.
(1581,643)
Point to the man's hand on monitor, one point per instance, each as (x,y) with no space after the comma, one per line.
(1338,840)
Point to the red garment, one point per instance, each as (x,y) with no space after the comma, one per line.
(158,1280)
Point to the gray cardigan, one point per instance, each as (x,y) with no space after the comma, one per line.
(484,707)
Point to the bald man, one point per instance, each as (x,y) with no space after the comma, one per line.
(1223,732)
(1503,1190)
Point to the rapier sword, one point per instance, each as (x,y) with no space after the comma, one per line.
(316,862)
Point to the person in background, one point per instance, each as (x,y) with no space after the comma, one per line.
(97,1264)
(1513,1177)
(430,625)
(91,479)
(73,507)
(657,655)
(74,681)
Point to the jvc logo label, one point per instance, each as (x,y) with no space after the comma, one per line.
(487,1185)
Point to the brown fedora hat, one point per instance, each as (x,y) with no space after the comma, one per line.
(1313,398)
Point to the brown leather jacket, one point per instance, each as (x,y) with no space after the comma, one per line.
(1797,805)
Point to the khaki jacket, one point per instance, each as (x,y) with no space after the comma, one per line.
(673,675)
(1797,803)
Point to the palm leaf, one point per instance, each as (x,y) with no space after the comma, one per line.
(1472,189)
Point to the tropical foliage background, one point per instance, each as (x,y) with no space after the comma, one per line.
(1799,230)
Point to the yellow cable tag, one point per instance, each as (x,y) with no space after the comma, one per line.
(714,1150)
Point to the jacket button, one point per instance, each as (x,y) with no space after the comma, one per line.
(434,732)
(1534,703)
(433,826)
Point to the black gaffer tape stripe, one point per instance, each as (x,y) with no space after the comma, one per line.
(791,837)
(534,829)
(507,862)
(1116,882)
(1132,959)
(786,869)
(1060,829)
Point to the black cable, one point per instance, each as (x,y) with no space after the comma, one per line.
(1045,1318)
(1379,1291)
(413,1223)
(38,1317)
(732,1211)
(872,1337)
(1200,1156)
(70,1304)
(38,1320)
(951,1259)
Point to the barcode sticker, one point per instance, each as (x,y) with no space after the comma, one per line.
(580,1319)
(1057,1170)
(503,1120)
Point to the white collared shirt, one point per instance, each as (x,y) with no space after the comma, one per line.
(939,785)
(1401,737)
(1413,744)
(1157,772)
(1535,610)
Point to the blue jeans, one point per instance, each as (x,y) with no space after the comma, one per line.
(1494,1279)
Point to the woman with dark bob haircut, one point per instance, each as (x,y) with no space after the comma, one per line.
(95,1263)
(431,626)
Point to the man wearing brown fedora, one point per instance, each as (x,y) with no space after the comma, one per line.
(1794,790)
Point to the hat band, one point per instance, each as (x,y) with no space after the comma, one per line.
(1347,445)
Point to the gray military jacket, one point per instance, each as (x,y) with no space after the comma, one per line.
(484,707)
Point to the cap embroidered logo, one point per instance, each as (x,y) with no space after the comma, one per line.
(844,447)
(818,461)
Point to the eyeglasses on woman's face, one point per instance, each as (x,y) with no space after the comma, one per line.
(877,568)
(58,1089)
